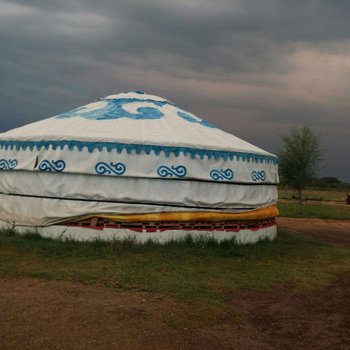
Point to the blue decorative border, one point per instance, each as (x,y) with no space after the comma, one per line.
(138,148)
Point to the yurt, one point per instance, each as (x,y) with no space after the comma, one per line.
(135,166)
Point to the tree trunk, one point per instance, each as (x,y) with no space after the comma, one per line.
(300,197)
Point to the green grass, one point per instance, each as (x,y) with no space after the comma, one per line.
(318,211)
(317,195)
(201,273)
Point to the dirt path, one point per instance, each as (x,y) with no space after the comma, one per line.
(288,320)
(37,314)
(332,231)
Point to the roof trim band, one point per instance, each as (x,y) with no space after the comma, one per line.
(138,149)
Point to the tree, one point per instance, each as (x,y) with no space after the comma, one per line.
(299,158)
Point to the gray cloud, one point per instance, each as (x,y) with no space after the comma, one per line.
(255,68)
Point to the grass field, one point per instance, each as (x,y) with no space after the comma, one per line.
(200,273)
(316,195)
(318,211)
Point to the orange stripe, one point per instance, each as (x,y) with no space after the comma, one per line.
(257,214)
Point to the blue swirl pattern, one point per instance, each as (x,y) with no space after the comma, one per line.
(113,109)
(9,164)
(178,171)
(193,119)
(221,175)
(258,175)
(53,165)
(103,168)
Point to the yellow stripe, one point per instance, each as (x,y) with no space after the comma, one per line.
(257,214)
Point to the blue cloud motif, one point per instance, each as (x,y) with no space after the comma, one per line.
(113,109)
(193,119)
(258,175)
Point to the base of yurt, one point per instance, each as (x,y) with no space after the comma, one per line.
(243,232)
(136,166)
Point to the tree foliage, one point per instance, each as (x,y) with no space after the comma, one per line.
(300,157)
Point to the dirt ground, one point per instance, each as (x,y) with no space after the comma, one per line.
(332,231)
(37,314)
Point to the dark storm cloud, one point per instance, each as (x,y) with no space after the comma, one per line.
(255,68)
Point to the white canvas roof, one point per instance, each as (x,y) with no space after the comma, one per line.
(132,118)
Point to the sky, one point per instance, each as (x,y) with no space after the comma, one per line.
(253,68)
